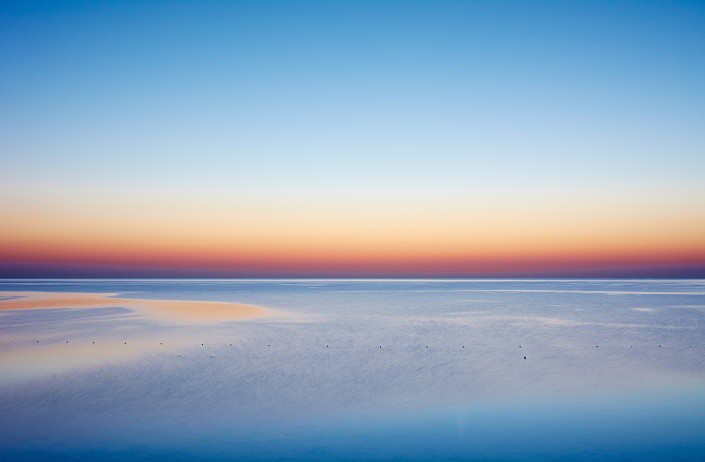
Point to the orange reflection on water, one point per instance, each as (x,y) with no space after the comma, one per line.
(28,360)
(169,310)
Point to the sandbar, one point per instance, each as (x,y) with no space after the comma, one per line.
(174,310)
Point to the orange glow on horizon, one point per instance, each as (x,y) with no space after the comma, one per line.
(384,237)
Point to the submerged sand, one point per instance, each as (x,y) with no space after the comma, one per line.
(174,310)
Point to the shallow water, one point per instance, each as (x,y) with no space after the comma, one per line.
(361,370)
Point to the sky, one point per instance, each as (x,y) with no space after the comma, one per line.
(352,139)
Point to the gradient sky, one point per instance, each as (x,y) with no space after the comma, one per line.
(264,138)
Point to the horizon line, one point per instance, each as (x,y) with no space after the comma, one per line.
(350,279)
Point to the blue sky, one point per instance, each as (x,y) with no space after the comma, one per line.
(596,102)
(408,86)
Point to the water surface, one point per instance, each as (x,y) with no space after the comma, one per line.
(503,370)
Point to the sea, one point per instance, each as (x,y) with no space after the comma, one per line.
(360,370)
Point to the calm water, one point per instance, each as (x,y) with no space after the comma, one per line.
(491,370)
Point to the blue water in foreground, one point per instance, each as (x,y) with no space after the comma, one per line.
(486,370)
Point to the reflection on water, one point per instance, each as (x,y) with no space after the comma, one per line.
(362,370)
(169,310)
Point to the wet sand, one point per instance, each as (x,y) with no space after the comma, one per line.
(170,310)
